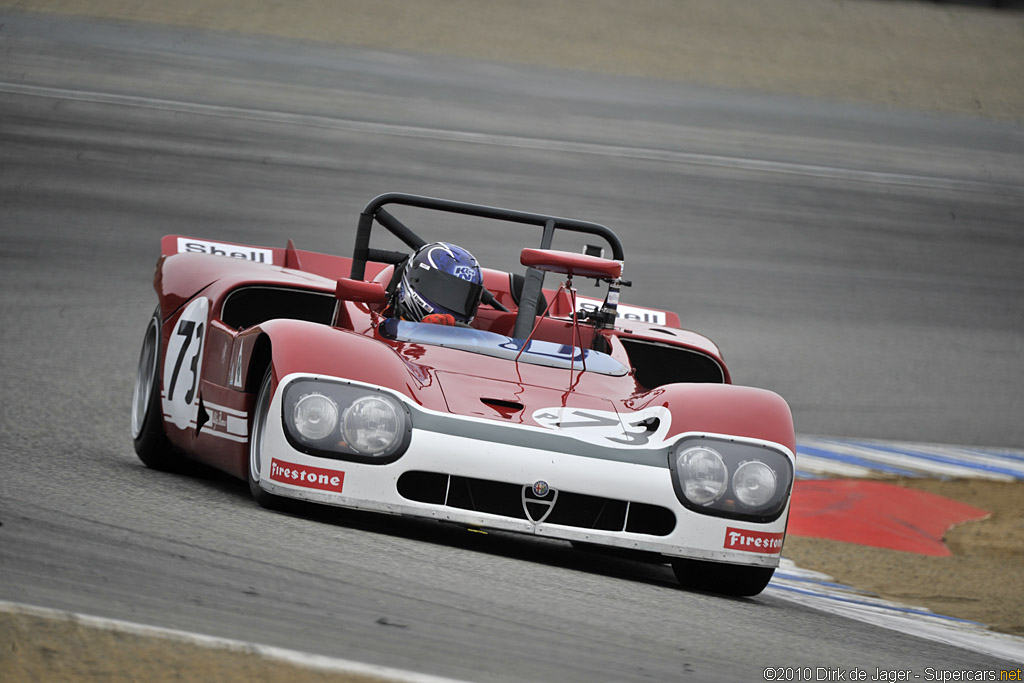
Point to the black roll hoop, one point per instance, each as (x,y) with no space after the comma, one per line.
(374,211)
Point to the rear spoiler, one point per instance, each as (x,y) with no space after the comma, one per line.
(324,265)
(334,267)
(179,244)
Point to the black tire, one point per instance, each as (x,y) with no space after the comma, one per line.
(260,415)
(151,443)
(718,577)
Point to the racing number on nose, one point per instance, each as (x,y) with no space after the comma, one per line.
(185,328)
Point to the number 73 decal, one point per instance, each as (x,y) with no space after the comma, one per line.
(647,427)
(183,364)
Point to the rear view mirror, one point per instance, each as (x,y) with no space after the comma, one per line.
(568,263)
(362,291)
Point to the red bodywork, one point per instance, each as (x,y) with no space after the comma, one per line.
(234,358)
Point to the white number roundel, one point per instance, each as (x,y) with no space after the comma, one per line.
(183,364)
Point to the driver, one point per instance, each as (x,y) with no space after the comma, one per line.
(440,283)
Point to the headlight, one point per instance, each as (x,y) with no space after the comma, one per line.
(315,416)
(732,478)
(703,474)
(333,419)
(754,484)
(371,425)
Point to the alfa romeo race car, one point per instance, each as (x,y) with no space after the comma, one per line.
(551,414)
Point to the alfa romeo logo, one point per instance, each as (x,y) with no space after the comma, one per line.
(536,503)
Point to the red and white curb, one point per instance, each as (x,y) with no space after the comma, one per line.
(819,457)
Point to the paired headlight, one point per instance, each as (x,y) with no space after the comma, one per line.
(315,416)
(754,484)
(372,425)
(345,421)
(730,478)
(703,474)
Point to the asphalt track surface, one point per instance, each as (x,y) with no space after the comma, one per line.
(866,264)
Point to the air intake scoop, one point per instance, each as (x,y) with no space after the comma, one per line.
(499,400)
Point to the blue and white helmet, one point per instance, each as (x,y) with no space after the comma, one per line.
(439,278)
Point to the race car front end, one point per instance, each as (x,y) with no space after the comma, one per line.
(700,496)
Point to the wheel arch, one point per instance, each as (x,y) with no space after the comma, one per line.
(724,409)
(297,346)
(259,360)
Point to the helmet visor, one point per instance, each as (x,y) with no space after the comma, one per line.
(459,297)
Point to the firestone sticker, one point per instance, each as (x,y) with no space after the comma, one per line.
(753,541)
(306,475)
(644,428)
(183,364)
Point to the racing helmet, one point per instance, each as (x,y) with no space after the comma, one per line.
(439,277)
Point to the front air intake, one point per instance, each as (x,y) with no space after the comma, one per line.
(570,509)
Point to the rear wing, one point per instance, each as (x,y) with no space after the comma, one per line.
(333,267)
(324,265)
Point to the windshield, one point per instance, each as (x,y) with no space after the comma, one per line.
(499,346)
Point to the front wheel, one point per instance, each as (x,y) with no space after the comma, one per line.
(724,579)
(151,443)
(259,427)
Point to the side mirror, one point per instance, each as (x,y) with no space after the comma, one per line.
(568,263)
(362,291)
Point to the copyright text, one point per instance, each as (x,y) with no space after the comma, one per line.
(827,673)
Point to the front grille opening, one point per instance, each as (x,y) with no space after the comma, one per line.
(650,519)
(589,512)
(575,510)
(481,495)
(424,487)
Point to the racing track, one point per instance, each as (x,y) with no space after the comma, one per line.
(865,264)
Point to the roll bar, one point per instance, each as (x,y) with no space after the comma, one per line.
(375,211)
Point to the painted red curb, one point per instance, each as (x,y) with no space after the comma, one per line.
(876,514)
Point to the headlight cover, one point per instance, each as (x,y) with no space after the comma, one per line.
(315,416)
(372,425)
(345,421)
(731,478)
(703,474)
(754,484)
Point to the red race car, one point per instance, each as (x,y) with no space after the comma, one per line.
(538,411)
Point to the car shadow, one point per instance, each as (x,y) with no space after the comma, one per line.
(623,564)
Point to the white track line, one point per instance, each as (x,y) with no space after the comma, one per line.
(371,672)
